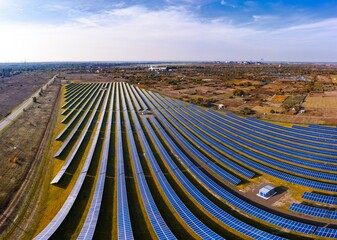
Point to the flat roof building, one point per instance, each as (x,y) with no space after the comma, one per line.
(267,192)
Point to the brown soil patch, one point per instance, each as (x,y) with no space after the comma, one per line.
(20,142)
(14,90)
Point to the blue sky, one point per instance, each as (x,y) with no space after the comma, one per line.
(101,30)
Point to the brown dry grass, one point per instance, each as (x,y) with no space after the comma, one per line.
(334,78)
(320,102)
(19,143)
(278,98)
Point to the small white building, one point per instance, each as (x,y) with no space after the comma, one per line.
(221,106)
(145,112)
(266,192)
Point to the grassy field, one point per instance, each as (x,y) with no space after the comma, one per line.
(320,102)
(334,78)
(278,98)
(293,100)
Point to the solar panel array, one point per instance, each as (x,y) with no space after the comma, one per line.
(89,226)
(55,223)
(160,227)
(124,228)
(316,197)
(326,232)
(229,197)
(181,142)
(215,133)
(310,210)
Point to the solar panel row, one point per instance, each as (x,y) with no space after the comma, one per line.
(326,232)
(124,228)
(89,226)
(207,149)
(78,144)
(263,137)
(82,111)
(318,129)
(296,133)
(69,99)
(158,224)
(224,217)
(261,153)
(229,197)
(74,99)
(51,228)
(234,133)
(142,103)
(313,211)
(310,210)
(72,112)
(316,197)
(238,150)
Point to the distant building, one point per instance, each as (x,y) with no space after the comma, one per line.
(302,79)
(267,192)
(145,112)
(157,69)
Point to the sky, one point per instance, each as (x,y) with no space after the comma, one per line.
(168,30)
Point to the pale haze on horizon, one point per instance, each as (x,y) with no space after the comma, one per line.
(168,30)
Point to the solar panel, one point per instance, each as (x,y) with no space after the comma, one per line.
(211,130)
(48,231)
(316,197)
(160,227)
(232,199)
(266,136)
(88,229)
(310,210)
(124,229)
(326,232)
(70,158)
(224,217)
(72,113)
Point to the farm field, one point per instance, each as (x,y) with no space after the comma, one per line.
(320,102)
(21,143)
(125,158)
(14,90)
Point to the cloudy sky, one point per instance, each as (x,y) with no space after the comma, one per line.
(185,30)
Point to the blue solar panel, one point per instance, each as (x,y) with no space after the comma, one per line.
(230,198)
(208,205)
(252,144)
(259,152)
(69,98)
(203,146)
(294,132)
(326,232)
(70,102)
(211,130)
(142,103)
(87,112)
(79,142)
(124,229)
(48,231)
(277,142)
(89,226)
(160,227)
(320,198)
(78,109)
(188,217)
(310,210)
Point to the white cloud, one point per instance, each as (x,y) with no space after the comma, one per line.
(137,33)
(263,18)
(225,3)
